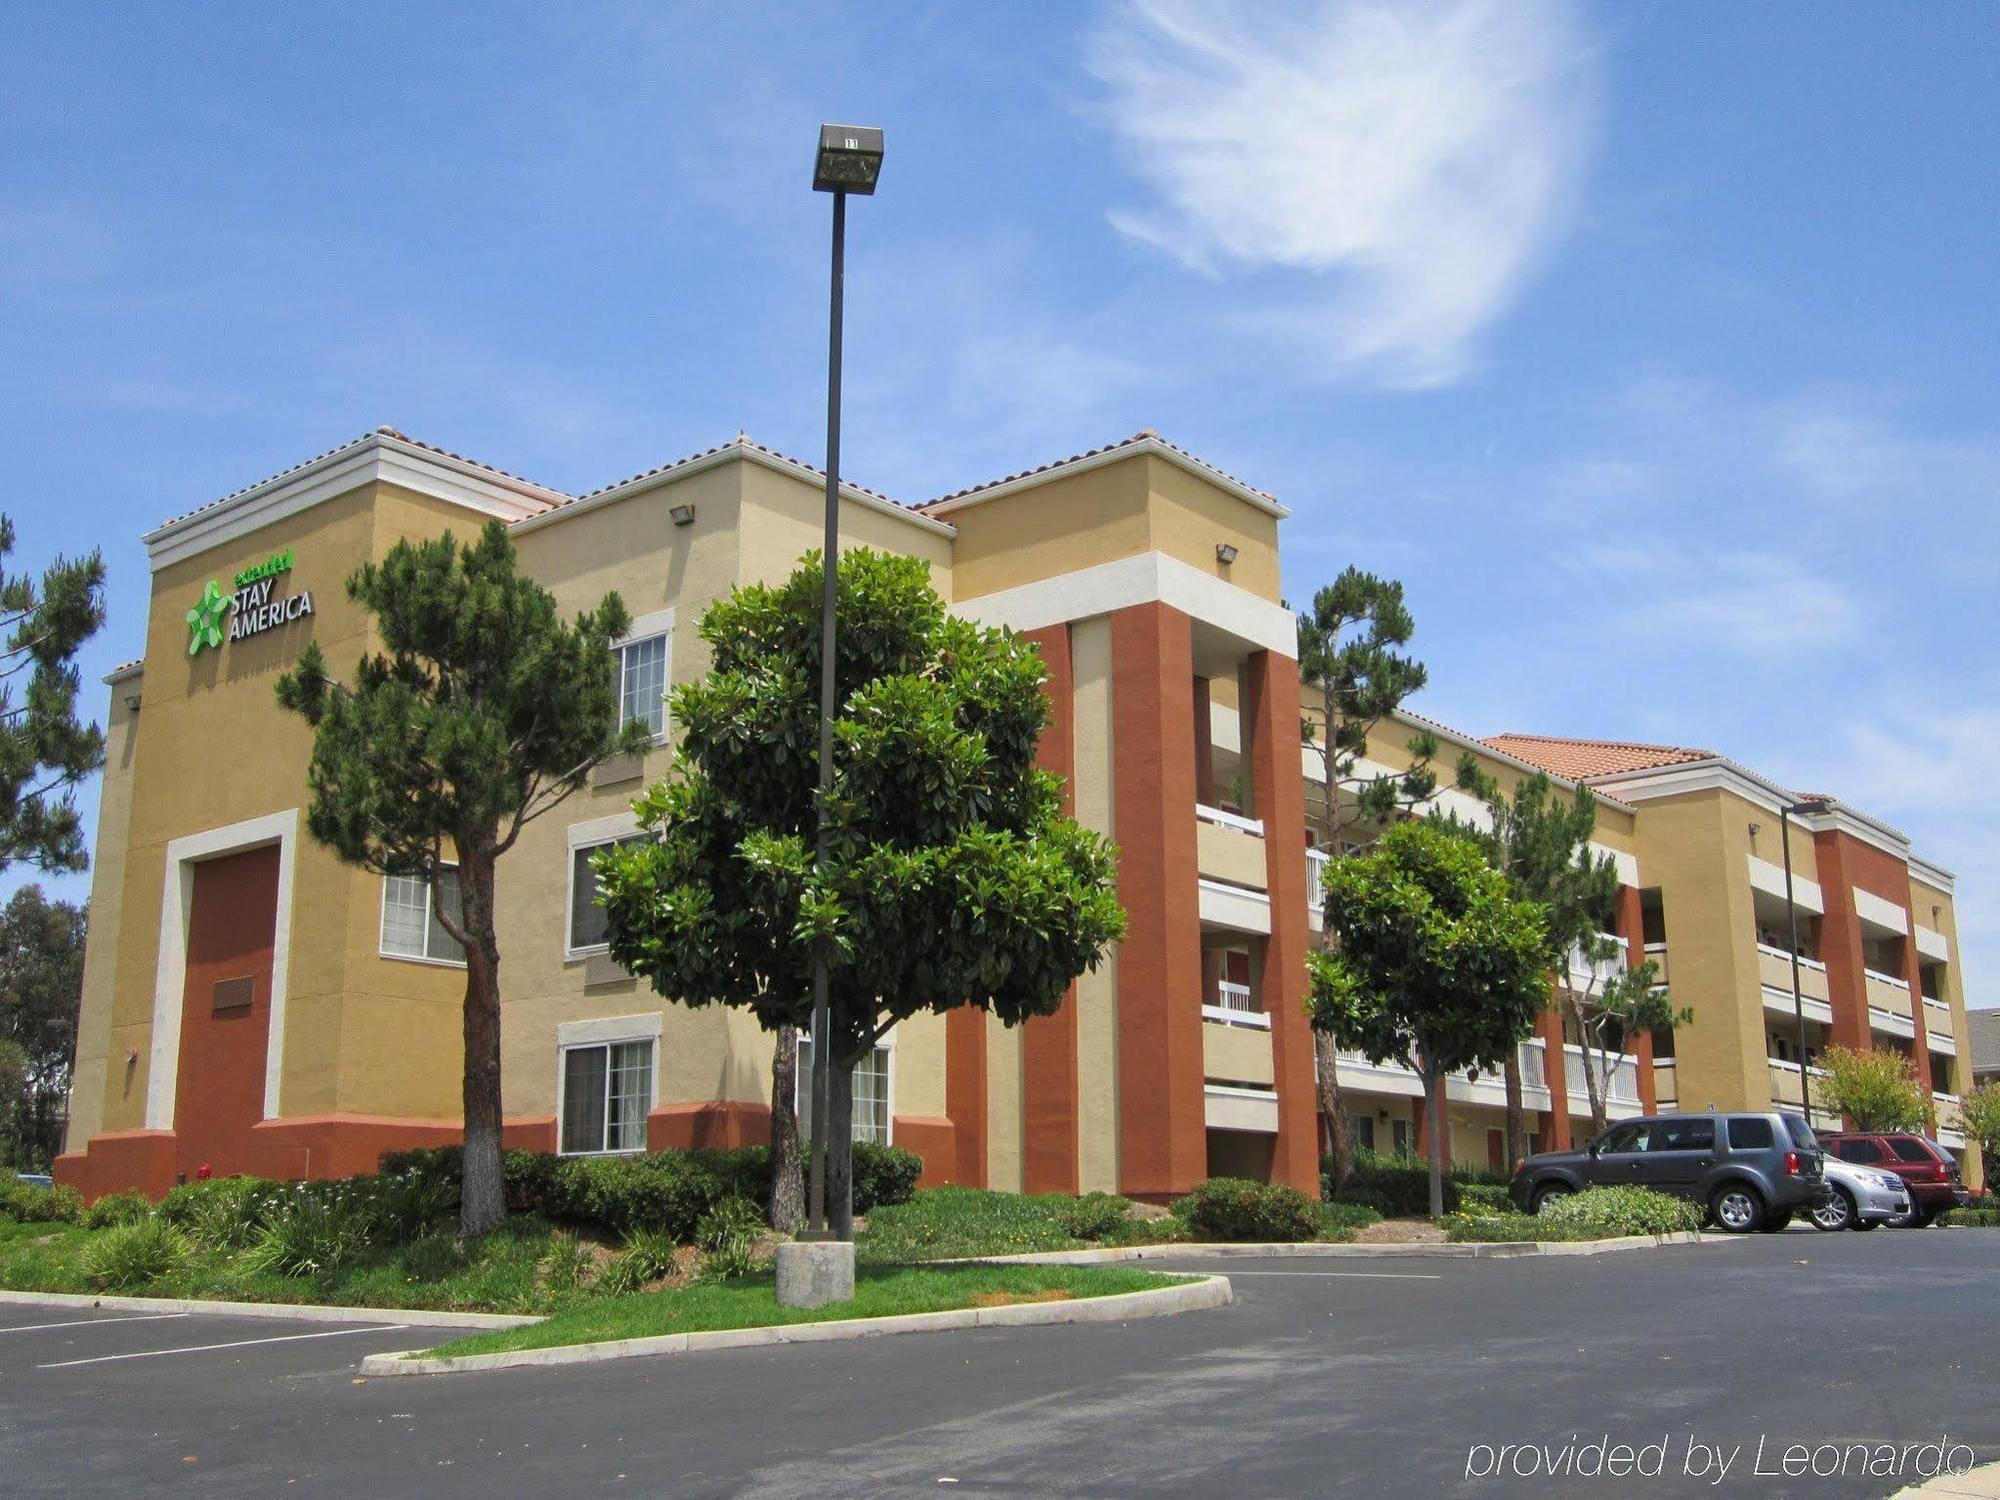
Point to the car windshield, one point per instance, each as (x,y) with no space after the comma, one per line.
(1801,1133)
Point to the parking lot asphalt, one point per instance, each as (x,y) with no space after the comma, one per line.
(1367,1378)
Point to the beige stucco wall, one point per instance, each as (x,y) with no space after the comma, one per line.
(1190,517)
(1097,991)
(1236,1054)
(94,1070)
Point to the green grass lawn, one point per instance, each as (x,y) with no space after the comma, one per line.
(879,1292)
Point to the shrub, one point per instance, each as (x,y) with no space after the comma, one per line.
(568,1268)
(1972,1218)
(308,1234)
(133,1255)
(223,1213)
(882,1175)
(114,1209)
(1342,1221)
(1092,1216)
(1231,1208)
(733,1221)
(1396,1187)
(404,1206)
(1512,1228)
(1623,1210)
(648,1255)
(730,1262)
(1481,1198)
(31,1203)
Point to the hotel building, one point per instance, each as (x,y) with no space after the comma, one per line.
(251,1004)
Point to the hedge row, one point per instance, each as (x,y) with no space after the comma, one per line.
(663,1191)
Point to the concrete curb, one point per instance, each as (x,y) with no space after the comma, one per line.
(308,1312)
(1190,1296)
(1195,1250)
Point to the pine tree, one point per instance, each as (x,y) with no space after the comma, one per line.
(1353,675)
(44,750)
(482,711)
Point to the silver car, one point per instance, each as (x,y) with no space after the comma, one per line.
(1862,1197)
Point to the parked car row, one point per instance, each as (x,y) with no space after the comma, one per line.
(1756,1171)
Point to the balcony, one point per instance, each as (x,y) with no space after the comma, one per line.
(1779,1002)
(1666,1083)
(1619,1084)
(1234,1006)
(1316,862)
(1657,952)
(1891,1023)
(1774,968)
(1229,848)
(1586,974)
(1948,1115)
(1886,991)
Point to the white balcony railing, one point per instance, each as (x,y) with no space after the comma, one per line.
(1222,818)
(1233,1006)
(1533,1074)
(1596,975)
(1618,1082)
(1786,955)
(1889,979)
(1316,862)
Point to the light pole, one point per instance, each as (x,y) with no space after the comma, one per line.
(849,161)
(1785,811)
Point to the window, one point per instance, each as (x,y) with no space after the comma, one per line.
(410,925)
(587,922)
(1800,1132)
(1861,1151)
(871,1093)
(642,683)
(1750,1134)
(1686,1135)
(607,1090)
(1909,1149)
(1361,1131)
(1619,1139)
(1399,1138)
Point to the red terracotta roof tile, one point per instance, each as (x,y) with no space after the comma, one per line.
(1145,434)
(739,441)
(1579,760)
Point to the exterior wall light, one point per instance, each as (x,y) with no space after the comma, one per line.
(1225,553)
(132,703)
(849,160)
(683,515)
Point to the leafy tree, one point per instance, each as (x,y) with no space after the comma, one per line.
(953,877)
(1353,675)
(1979,1117)
(41,989)
(1875,1087)
(1541,843)
(1437,966)
(44,750)
(482,711)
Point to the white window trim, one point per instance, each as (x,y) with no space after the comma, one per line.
(170,975)
(659,622)
(608,1031)
(430,908)
(592,834)
(802,1090)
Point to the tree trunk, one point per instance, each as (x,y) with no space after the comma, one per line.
(1593,1062)
(840,1146)
(482,1201)
(1332,1111)
(788,1188)
(1434,1107)
(1517,1118)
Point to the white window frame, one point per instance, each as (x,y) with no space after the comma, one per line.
(802,1091)
(611,1031)
(659,625)
(594,834)
(430,915)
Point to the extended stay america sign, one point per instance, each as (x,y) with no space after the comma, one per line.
(255,607)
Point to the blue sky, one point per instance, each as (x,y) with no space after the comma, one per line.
(1653,346)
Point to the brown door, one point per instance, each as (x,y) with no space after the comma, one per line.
(226,1011)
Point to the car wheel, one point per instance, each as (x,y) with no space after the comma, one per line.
(1777,1221)
(1737,1208)
(1867,1223)
(1836,1213)
(1548,1193)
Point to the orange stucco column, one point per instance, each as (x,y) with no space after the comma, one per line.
(965,1092)
(1048,1043)
(1840,941)
(1549,1028)
(1162,1130)
(1632,928)
(1271,727)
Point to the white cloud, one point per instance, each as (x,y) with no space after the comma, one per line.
(1748,604)
(1400,168)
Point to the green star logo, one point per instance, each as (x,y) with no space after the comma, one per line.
(205,619)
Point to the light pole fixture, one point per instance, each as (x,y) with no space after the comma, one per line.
(1785,811)
(849,161)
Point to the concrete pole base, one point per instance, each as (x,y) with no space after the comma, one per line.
(815,1273)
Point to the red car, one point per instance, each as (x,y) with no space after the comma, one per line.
(1930,1171)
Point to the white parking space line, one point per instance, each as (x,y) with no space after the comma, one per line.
(1347,1275)
(92,1322)
(283,1338)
